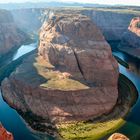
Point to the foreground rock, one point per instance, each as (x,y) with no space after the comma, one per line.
(130,42)
(72,78)
(4,134)
(10,35)
(118,136)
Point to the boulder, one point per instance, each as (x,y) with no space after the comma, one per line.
(118,136)
(4,134)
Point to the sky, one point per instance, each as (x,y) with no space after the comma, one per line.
(125,2)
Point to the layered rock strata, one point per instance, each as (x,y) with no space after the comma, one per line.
(112,23)
(10,35)
(130,42)
(73,77)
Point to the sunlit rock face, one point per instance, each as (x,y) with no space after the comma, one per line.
(118,136)
(135,26)
(74,44)
(131,39)
(72,78)
(10,35)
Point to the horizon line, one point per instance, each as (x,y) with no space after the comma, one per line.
(69,2)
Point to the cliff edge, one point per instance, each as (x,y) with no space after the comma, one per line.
(131,39)
(10,35)
(73,77)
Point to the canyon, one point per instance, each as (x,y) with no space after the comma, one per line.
(10,35)
(72,77)
(56,83)
(112,22)
(130,41)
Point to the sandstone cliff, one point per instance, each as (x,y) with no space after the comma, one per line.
(72,78)
(112,23)
(10,35)
(130,41)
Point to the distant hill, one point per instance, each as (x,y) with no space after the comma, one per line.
(11,6)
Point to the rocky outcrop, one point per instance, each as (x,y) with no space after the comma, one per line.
(4,134)
(118,136)
(69,39)
(135,26)
(131,39)
(112,23)
(10,35)
(72,78)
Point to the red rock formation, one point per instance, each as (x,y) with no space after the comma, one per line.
(73,78)
(131,39)
(118,136)
(10,35)
(112,24)
(135,26)
(77,45)
(5,135)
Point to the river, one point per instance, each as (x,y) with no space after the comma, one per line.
(132,127)
(10,119)
(15,124)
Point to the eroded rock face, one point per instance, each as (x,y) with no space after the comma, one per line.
(74,76)
(4,134)
(10,35)
(77,46)
(135,26)
(112,24)
(131,39)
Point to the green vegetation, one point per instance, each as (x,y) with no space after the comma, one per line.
(89,131)
(56,79)
(36,122)
(64,84)
(106,124)
(120,10)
